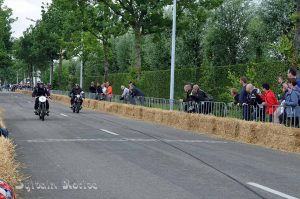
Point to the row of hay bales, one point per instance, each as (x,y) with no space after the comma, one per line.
(264,134)
(9,167)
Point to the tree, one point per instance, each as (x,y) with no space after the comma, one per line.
(5,41)
(226,37)
(143,17)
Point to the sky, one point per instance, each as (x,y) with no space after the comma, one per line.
(23,9)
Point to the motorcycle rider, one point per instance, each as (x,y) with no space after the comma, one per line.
(39,91)
(75,91)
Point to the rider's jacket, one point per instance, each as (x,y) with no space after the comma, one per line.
(75,91)
(37,92)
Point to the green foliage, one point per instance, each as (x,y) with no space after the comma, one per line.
(216,81)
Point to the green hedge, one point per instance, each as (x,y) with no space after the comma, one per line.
(214,80)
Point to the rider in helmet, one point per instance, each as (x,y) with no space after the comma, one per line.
(75,91)
(38,91)
(6,191)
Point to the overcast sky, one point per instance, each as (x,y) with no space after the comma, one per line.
(24,9)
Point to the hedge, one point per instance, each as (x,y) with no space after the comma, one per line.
(214,80)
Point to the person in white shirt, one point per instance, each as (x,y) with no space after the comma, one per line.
(125,94)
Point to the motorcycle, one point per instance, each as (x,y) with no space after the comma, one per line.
(42,109)
(78,99)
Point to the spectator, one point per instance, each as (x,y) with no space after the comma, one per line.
(92,90)
(269,101)
(254,104)
(280,81)
(280,113)
(125,94)
(109,91)
(292,74)
(188,100)
(243,99)
(136,94)
(99,91)
(292,103)
(104,91)
(234,93)
(200,100)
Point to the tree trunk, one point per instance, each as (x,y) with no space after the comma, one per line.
(138,52)
(60,68)
(297,33)
(31,75)
(106,62)
(51,72)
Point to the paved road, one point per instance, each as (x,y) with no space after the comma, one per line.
(95,155)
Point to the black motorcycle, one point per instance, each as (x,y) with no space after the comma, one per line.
(42,109)
(78,99)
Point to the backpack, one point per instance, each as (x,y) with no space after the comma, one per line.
(3,132)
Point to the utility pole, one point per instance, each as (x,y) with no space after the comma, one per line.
(173,54)
(81,61)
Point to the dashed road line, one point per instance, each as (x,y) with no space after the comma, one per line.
(109,132)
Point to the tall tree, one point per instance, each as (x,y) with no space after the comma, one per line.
(143,17)
(226,38)
(5,40)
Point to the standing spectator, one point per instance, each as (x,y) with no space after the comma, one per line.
(234,93)
(292,74)
(292,103)
(109,91)
(269,101)
(93,90)
(254,103)
(280,113)
(99,91)
(104,91)
(136,94)
(243,99)
(201,100)
(125,94)
(188,100)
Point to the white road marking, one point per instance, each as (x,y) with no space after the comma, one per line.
(120,140)
(64,115)
(267,189)
(109,132)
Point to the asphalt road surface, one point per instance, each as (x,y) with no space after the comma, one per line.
(95,155)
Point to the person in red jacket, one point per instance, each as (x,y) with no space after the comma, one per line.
(269,101)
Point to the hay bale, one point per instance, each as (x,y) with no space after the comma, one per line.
(247,132)
(227,128)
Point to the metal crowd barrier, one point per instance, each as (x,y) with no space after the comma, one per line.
(288,116)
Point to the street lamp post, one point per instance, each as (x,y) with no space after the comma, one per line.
(81,61)
(173,57)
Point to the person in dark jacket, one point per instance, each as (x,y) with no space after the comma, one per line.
(200,100)
(93,90)
(136,94)
(75,91)
(39,91)
(292,74)
(243,99)
(100,95)
(254,103)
